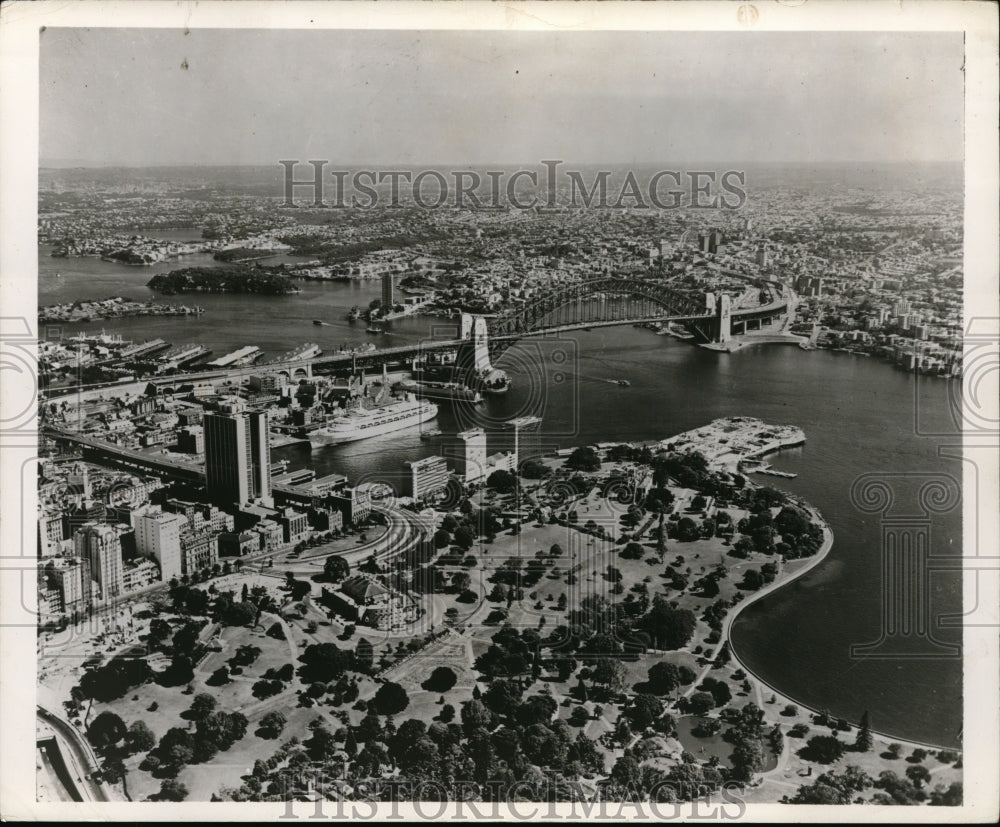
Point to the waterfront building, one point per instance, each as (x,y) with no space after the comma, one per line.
(355,504)
(469,454)
(425,477)
(158,535)
(527,438)
(388,292)
(237,456)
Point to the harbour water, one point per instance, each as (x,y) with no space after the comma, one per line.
(859,416)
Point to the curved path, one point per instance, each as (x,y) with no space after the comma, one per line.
(81,755)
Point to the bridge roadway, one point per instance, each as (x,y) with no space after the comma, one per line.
(404,353)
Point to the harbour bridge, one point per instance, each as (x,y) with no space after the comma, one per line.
(598,302)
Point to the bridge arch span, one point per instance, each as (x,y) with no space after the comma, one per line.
(599,301)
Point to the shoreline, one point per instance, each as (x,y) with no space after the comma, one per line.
(783,697)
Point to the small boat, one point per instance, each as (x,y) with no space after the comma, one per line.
(355,314)
(430,433)
(624,383)
(374,329)
(318,322)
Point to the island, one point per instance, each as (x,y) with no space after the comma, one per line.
(223,280)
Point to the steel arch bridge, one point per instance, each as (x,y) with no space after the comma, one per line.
(596,302)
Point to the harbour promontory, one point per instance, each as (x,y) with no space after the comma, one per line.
(239,279)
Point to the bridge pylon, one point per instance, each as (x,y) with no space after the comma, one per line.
(474,352)
(723,320)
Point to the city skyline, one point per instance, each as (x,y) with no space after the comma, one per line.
(390,97)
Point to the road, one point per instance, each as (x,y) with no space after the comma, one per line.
(80,758)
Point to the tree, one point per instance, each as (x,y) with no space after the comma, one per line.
(272,724)
(611,673)
(442,538)
(584,459)
(864,739)
(918,774)
(475,716)
(441,680)
(336,568)
(823,749)
(669,627)
(664,677)
(502,482)
(324,662)
(950,797)
(833,788)
(464,537)
(460,581)
(176,747)
(140,737)
(644,710)
(202,706)
(106,730)
(632,551)
(626,772)
(172,790)
(391,699)
(159,631)
(700,702)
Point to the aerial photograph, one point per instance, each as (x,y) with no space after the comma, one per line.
(499,416)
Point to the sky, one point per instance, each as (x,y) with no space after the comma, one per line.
(138,97)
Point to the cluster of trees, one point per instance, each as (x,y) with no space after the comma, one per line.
(214,732)
(754,579)
(115,678)
(325,662)
(689,470)
(833,788)
(687,781)
(668,626)
(584,459)
(511,654)
(746,733)
(462,532)
(273,681)
(114,742)
(665,677)
(628,453)
(503,482)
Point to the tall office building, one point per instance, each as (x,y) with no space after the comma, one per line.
(426,476)
(469,454)
(237,457)
(101,546)
(388,292)
(527,438)
(158,535)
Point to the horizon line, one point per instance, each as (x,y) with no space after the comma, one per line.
(54,164)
